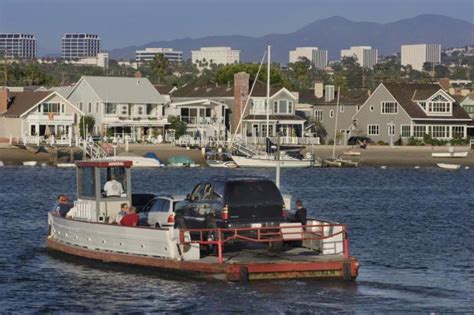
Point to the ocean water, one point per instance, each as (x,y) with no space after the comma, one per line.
(411,229)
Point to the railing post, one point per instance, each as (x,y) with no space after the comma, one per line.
(219,246)
(346,244)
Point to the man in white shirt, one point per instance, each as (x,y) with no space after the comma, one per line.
(113,188)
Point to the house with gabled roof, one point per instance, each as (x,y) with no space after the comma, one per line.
(405,110)
(319,106)
(121,105)
(34,116)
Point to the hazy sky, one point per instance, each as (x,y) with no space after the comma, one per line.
(133,22)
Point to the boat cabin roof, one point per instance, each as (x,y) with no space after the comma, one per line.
(104,164)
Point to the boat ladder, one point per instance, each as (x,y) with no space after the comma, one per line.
(92,150)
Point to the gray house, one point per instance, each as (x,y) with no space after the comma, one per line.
(120,105)
(410,110)
(318,105)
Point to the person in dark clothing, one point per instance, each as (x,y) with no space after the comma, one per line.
(300,214)
(62,205)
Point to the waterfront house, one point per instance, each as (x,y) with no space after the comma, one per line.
(318,105)
(279,116)
(402,110)
(34,116)
(204,107)
(121,105)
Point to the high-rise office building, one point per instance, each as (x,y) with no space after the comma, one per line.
(80,45)
(417,55)
(317,57)
(17,45)
(366,56)
(149,54)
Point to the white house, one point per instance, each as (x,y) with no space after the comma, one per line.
(120,105)
(33,116)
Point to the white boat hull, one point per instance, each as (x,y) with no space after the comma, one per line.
(449,166)
(221,164)
(138,161)
(450,154)
(65,165)
(270,162)
(30,163)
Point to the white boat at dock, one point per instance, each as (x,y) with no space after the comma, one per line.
(271,161)
(461,154)
(138,161)
(66,165)
(352,153)
(30,163)
(449,166)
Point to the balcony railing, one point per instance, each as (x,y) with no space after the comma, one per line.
(193,120)
(284,140)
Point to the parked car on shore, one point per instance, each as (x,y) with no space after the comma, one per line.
(357,140)
(232,203)
(159,211)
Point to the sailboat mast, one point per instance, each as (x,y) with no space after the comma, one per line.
(268,92)
(335,123)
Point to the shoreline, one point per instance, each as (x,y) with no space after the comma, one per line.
(398,156)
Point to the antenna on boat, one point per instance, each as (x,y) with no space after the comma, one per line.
(335,123)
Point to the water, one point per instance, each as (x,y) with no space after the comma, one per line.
(412,231)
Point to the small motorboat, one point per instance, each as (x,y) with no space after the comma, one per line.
(449,166)
(332,163)
(460,154)
(30,163)
(65,165)
(1,164)
(138,161)
(352,153)
(220,160)
(181,161)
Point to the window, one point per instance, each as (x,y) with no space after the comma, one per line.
(89,108)
(391,130)
(405,131)
(283,107)
(423,105)
(50,108)
(373,130)
(140,110)
(331,113)
(318,115)
(371,108)
(389,108)
(259,106)
(97,108)
(419,131)
(110,108)
(341,109)
(157,206)
(124,110)
(63,109)
(80,106)
(457,132)
(439,131)
(358,107)
(439,105)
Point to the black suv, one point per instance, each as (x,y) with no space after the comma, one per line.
(229,203)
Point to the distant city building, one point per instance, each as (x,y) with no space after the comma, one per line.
(149,54)
(317,57)
(215,55)
(17,45)
(366,56)
(80,45)
(101,60)
(417,55)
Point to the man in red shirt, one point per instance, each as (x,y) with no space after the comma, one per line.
(130,219)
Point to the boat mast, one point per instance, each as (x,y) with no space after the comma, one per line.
(268,92)
(335,123)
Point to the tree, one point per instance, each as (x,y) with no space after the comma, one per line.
(178,125)
(441,71)
(87,122)
(459,73)
(159,66)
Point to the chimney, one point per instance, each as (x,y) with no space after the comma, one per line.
(329,93)
(318,89)
(241,93)
(3,100)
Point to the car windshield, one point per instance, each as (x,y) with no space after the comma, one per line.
(252,192)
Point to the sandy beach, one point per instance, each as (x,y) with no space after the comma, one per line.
(404,156)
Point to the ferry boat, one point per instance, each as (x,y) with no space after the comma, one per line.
(86,232)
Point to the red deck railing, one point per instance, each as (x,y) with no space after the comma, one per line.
(220,236)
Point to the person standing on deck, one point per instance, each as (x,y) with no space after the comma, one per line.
(300,214)
(113,188)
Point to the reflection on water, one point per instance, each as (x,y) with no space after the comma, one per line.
(407,227)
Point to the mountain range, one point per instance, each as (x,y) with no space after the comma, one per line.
(333,34)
